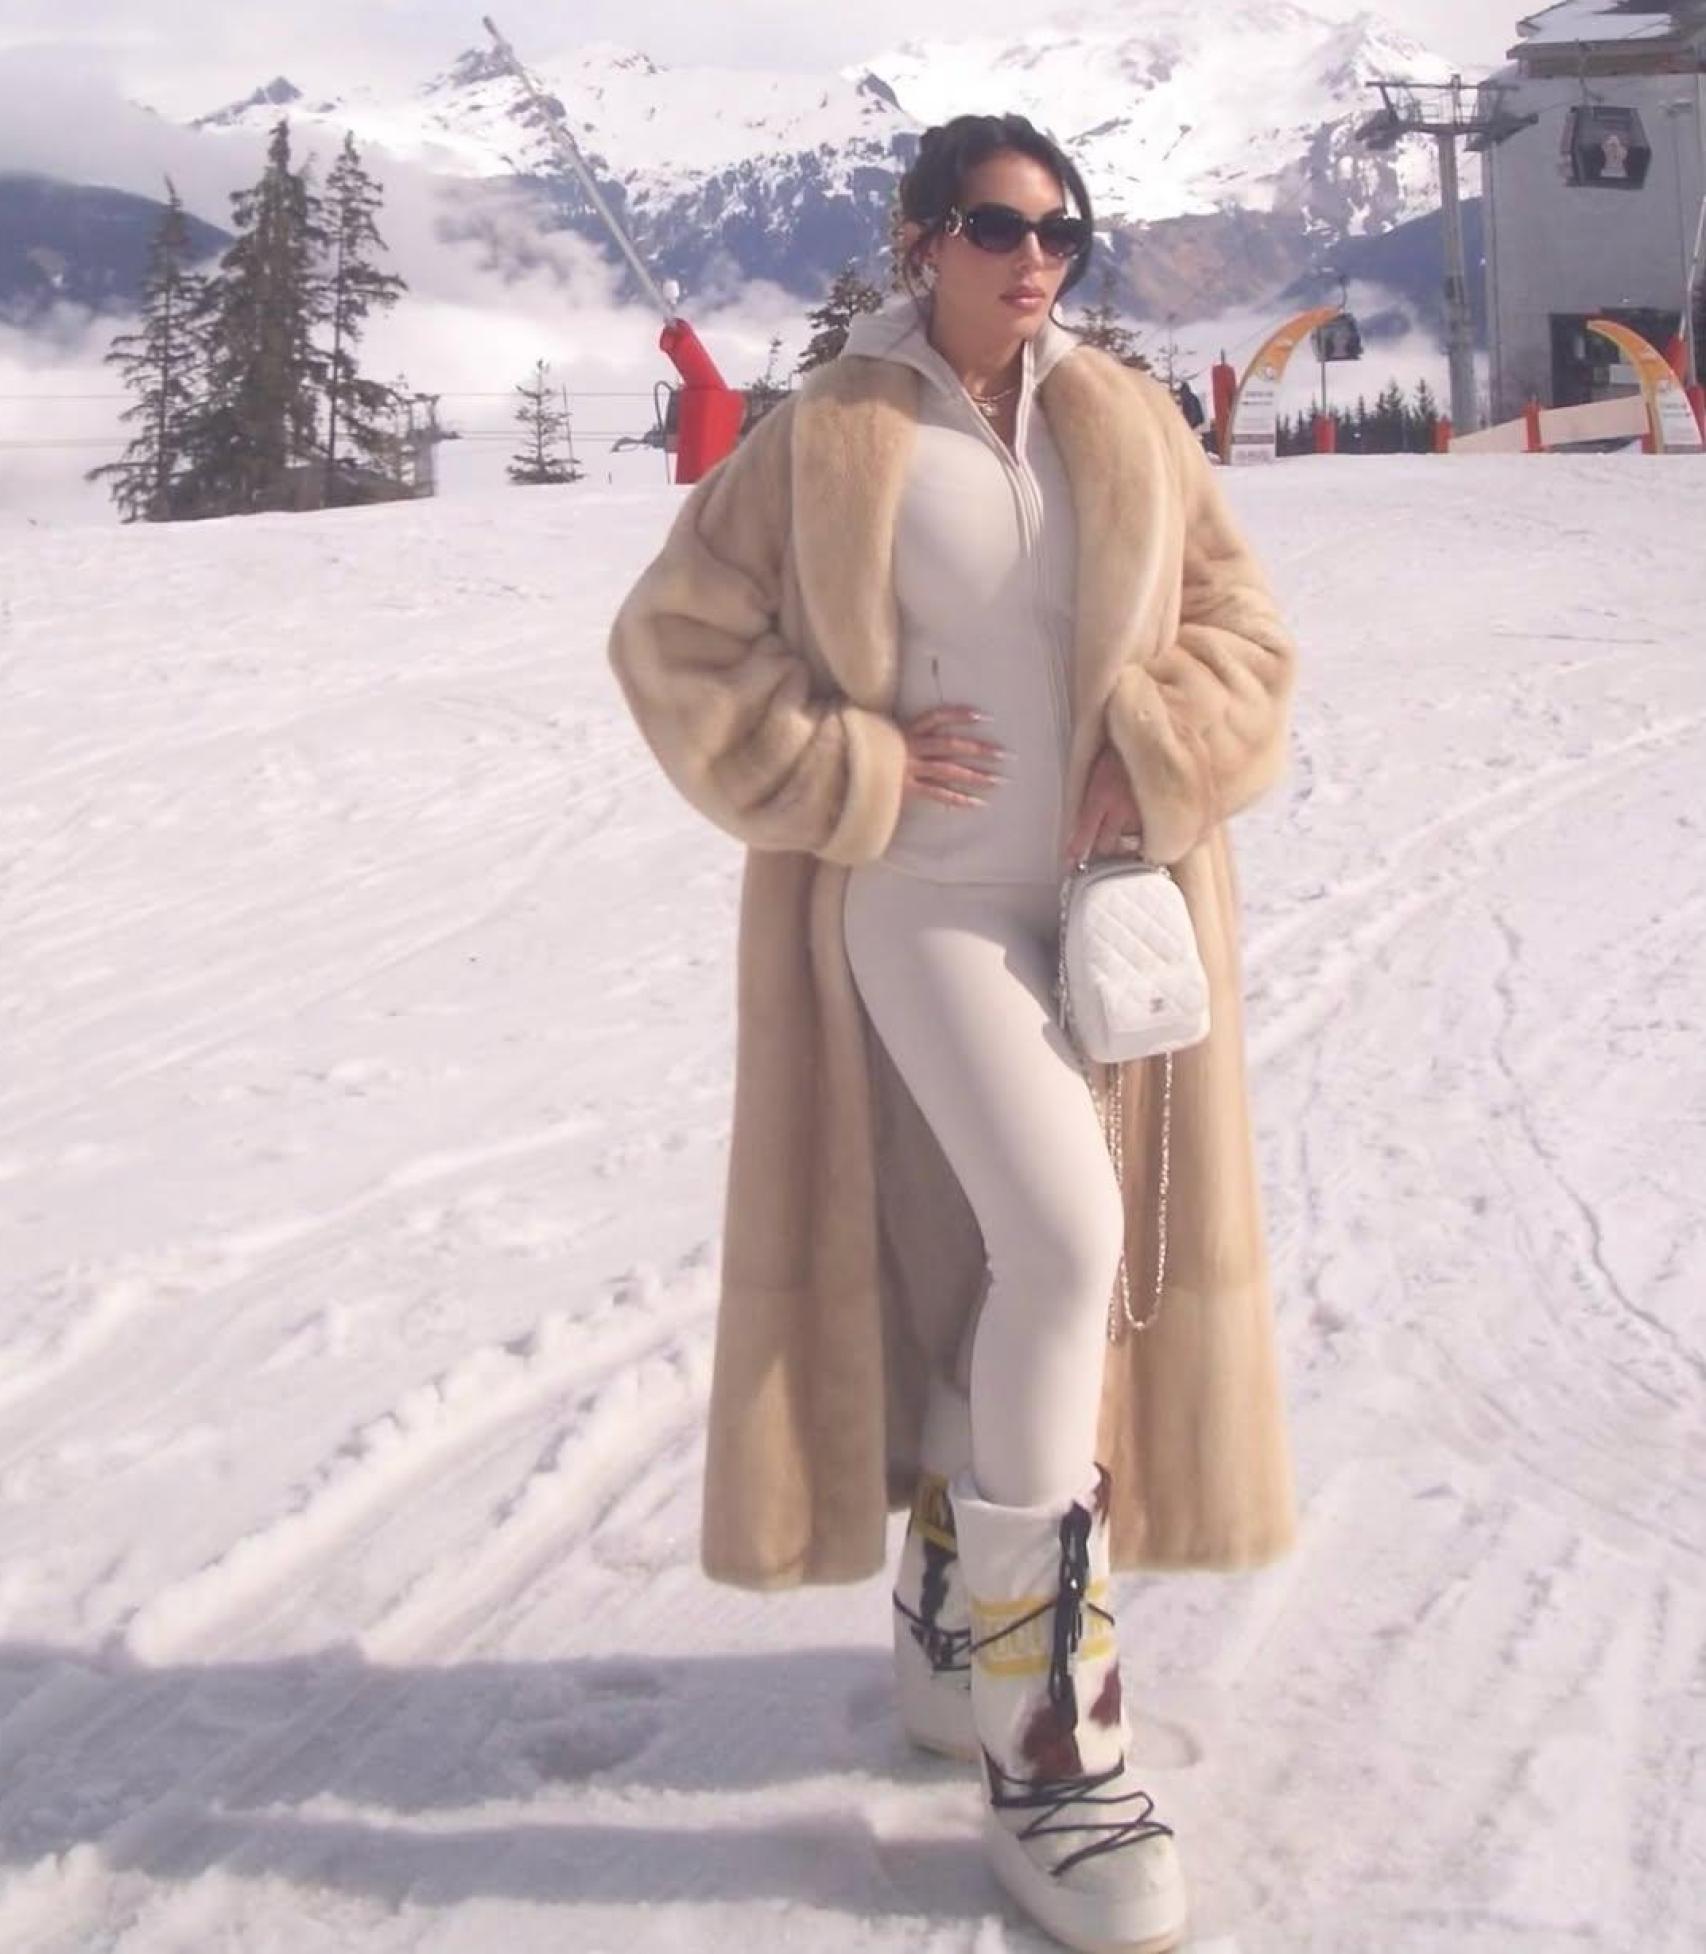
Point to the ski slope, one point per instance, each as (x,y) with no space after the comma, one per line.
(365,1057)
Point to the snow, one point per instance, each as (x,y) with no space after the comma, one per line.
(1175,109)
(367,1001)
(659,129)
(1594,20)
(1172,113)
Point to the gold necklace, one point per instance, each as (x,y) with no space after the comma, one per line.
(989,405)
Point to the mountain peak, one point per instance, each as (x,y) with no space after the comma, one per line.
(279,93)
(481,63)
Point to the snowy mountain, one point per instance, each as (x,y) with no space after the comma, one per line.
(1235,126)
(85,245)
(1196,108)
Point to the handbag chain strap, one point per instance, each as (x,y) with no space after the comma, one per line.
(1113,1136)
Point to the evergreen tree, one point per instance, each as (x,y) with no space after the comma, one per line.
(1100,326)
(1389,430)
(1426,418)
(547,428)
(161,365)
(259,415)
(763,393)
(846,298)
(357,411)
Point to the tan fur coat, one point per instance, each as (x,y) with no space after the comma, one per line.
(758,655)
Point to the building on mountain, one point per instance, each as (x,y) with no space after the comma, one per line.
(1593,209)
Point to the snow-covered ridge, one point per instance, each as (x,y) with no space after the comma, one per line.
(1181,112)
(660,129)
(1195,109)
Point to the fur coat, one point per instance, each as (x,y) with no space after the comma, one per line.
(758,655)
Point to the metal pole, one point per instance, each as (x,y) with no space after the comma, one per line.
(1674,112)
(1699,252)
(551,114)
(1490,286)
(1459,321)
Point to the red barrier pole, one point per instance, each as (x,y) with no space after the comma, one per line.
(1326,435)
(1697,400)
(1531,413)
(1225,386)
(1442,435)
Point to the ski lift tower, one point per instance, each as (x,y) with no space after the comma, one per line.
(1420,108)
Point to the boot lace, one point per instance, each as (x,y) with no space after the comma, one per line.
(948,1650)
(1052,1798)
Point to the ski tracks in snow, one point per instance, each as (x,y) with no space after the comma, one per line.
(352,1381)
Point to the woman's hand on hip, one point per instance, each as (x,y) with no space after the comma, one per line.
(942,764)
(1108,812)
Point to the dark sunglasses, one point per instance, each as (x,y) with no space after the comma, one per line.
(998,227)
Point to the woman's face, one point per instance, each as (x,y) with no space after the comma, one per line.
(981,288)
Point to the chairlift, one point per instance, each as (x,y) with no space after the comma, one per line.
(1338,339)
(1605,148)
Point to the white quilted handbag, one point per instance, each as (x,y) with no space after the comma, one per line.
(1130,984)
(1132,981)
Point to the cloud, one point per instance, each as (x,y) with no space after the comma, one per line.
(64,114)
(190,56)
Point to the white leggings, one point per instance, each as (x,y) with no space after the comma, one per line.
(957,978)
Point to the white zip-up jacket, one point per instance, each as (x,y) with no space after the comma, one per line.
(985,565)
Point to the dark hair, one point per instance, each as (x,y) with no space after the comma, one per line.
(947,152)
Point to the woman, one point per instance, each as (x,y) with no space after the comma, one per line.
(968,605)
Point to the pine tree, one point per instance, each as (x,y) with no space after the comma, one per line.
(161,364)
(763,393)
(1100,326)
(547,427)
(1426,419)
(357,410)
(1390,430)
(846,298)
(259,416)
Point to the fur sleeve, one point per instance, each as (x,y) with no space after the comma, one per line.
(1203,727)
(730,709)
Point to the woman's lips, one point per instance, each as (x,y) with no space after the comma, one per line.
(1025,300)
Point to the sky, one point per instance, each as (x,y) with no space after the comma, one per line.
(187,56)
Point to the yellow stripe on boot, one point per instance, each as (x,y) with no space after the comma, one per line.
(1027,1648)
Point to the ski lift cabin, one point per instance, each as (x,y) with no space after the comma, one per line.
(1338,339)
(1593,209)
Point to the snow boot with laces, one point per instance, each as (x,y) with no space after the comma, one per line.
(932,1626)
(1070,1832)
(932,1632)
